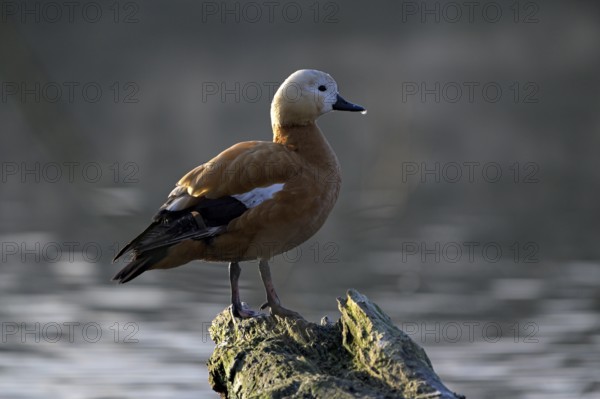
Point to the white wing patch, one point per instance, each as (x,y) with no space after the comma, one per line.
(180,199)
(178,204)
(258,195)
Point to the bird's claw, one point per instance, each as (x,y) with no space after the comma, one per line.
(242,311)
(278,310)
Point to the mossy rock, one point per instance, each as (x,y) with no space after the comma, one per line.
(362,355)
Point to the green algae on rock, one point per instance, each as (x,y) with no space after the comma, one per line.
(362,355)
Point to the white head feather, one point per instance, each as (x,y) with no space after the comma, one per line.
(303,97)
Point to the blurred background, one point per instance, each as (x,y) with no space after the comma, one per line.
(469,208)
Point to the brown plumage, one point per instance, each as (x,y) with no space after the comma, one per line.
(254,200)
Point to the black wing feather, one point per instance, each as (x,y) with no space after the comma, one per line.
(206,218)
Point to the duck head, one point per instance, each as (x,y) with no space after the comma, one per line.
(304,96)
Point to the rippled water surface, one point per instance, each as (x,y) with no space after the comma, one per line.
(473,221)
(491,330)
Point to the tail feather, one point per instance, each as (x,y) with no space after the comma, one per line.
(203,219)
(135,242)
(139,265)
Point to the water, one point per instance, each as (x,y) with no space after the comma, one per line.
(473,224)
(491,330)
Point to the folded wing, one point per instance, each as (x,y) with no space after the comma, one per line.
(208,198)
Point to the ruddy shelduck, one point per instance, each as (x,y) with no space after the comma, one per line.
(254,200)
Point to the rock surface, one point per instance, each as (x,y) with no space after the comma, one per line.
(362,355)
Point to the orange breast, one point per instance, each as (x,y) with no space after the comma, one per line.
(279,224)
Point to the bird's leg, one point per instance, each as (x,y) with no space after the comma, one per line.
(272,299)
(237,307)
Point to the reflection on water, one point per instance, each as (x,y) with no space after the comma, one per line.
(485,273)
(67,332)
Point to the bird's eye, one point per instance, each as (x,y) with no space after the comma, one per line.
(322,88)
